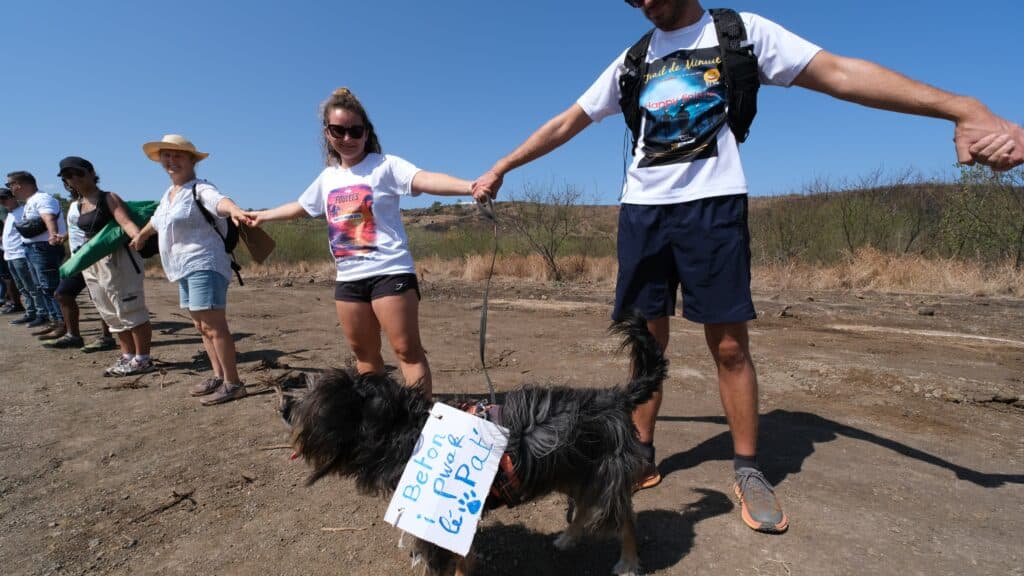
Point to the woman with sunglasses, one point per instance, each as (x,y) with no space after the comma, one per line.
(193,254)
(358,193)
(115,281)
(70,287)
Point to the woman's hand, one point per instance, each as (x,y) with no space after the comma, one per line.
(241,217)
(256,218)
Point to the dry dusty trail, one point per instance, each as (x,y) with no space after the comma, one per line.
(895,438)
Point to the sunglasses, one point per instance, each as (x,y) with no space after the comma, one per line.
(635,3)
(338,131)
(71,173)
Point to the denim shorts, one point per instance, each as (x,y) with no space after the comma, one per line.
(702,245)
(203,290)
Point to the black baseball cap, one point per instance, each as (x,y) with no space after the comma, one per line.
(76,163)
(5,193)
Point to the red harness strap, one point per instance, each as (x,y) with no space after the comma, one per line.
(505,490)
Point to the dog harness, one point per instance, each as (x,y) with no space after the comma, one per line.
(505,490)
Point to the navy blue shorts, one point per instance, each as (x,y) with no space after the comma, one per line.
(703,245)
(72,285)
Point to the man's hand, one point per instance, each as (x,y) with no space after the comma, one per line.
(987,139)
(487,185)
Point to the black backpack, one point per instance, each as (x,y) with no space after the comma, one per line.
(230,239)
(738,70)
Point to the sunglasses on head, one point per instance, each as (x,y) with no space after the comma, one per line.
(338,131)
(635,3)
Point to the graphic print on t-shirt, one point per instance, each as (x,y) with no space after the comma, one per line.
(683,101)
(350,223)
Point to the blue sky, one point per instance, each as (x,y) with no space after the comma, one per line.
(451,85)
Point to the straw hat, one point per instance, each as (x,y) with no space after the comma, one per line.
(171,142)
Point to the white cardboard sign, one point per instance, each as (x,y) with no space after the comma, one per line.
(442,491)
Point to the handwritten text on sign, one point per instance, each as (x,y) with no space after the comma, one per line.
(442,491)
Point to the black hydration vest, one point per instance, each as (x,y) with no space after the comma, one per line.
(738,69)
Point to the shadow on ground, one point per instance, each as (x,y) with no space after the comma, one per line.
(787,438)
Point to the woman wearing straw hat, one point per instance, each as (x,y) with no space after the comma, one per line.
(192,254)
(358,193)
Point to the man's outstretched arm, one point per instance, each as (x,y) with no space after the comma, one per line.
(551,135)
(979,136)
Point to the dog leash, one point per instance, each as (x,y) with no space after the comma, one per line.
(487,211)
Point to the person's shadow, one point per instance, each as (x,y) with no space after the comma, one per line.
(787,438)
(664,536)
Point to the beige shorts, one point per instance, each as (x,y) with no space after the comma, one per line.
(117,290)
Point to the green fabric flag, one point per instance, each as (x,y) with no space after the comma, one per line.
(110,238)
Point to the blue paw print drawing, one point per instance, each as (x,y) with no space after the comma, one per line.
(469,502)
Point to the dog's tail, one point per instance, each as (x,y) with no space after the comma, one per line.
(650,368)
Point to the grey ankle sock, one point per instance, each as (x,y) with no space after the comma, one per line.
(739,461)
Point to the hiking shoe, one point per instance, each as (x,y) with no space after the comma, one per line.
(758,505)
(37,322)
(225,393)
(65,341)
(24,319)
(118,368)
(100,344)
(208,386)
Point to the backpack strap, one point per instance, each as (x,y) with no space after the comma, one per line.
(739,70)
(630,82)
(213,223)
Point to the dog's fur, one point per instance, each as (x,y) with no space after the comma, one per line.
(580,442)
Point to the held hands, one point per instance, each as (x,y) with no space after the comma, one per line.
(242,218)
(138,241)
(990,140)
(56,239)
(487,185)
(255,218)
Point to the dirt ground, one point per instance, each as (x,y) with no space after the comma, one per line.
(893,426)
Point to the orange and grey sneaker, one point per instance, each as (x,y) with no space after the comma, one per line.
(649,478)
(758,505)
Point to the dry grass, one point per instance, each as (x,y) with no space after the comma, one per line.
(867,269)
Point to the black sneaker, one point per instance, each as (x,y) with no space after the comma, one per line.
(38,321)
(24,319)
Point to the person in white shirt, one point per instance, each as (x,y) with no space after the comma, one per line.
(8,290)
(683,219)
(43,249)
(358,193)
(17,264)
(193,255)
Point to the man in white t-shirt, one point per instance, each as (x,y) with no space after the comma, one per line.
(683,219)
(45,249)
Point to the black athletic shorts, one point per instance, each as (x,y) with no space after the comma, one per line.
(375,287)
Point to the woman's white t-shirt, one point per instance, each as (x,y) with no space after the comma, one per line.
(364,223)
